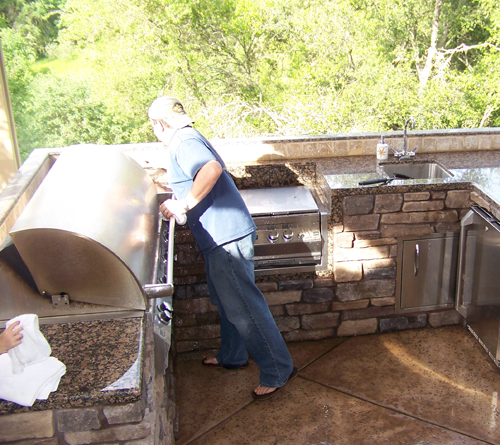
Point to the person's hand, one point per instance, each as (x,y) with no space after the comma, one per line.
(11,337)
(177,209)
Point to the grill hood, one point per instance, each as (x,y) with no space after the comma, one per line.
(91,229)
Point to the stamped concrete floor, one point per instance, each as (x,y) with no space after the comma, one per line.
(425,386)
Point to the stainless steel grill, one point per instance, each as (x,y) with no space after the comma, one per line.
(291,230)
(89,244)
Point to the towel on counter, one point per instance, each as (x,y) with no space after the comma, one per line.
(36,382)
(27,372)
(33,348)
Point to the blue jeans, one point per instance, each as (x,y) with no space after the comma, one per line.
(246,322)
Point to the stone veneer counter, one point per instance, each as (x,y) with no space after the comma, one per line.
(479,171)
(103,362)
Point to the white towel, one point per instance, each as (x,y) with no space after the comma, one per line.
(33,348)
(36,382)
(27,372)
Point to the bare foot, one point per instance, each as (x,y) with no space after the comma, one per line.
(263,392)
(214,363)
(211,361)
(260,390)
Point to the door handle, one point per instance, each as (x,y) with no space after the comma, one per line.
(416,260)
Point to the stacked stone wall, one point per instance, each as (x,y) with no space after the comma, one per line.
(341,145)
(365,253)
(356,297)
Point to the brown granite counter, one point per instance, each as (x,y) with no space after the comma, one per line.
(478,171)
(451,160)
(97,355)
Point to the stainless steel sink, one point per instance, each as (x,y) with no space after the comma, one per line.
(429,170)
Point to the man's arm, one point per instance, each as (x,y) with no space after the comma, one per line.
(203,183)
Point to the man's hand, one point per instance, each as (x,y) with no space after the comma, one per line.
(11,337)
(203,183)
(177,209)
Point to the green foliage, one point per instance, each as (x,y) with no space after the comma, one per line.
(19,56)
(35,20)
(250,67)
(60,112)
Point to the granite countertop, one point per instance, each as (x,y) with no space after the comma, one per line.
(103,363)
(479,170)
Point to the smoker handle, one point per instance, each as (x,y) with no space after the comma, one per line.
(170,255)
(167,289)
(416,261)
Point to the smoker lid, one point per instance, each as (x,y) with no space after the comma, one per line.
(279,200)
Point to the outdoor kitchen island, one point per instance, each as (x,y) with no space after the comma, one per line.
(357,293)
(339,301)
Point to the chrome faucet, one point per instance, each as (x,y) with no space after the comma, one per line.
(405,153)
(412,120)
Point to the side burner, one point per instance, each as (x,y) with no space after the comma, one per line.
(291,230)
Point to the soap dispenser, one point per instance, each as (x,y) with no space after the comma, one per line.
(382,150)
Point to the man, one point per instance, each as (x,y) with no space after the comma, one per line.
(225,232)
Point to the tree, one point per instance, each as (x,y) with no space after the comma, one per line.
(35,20)
(61,111)
(257,67)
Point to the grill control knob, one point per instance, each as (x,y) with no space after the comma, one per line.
(273,236)
(288,235)
(164,318)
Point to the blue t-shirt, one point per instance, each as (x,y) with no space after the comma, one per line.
(221,216)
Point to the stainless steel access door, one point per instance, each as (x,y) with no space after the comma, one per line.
(426,272)
(478,289)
